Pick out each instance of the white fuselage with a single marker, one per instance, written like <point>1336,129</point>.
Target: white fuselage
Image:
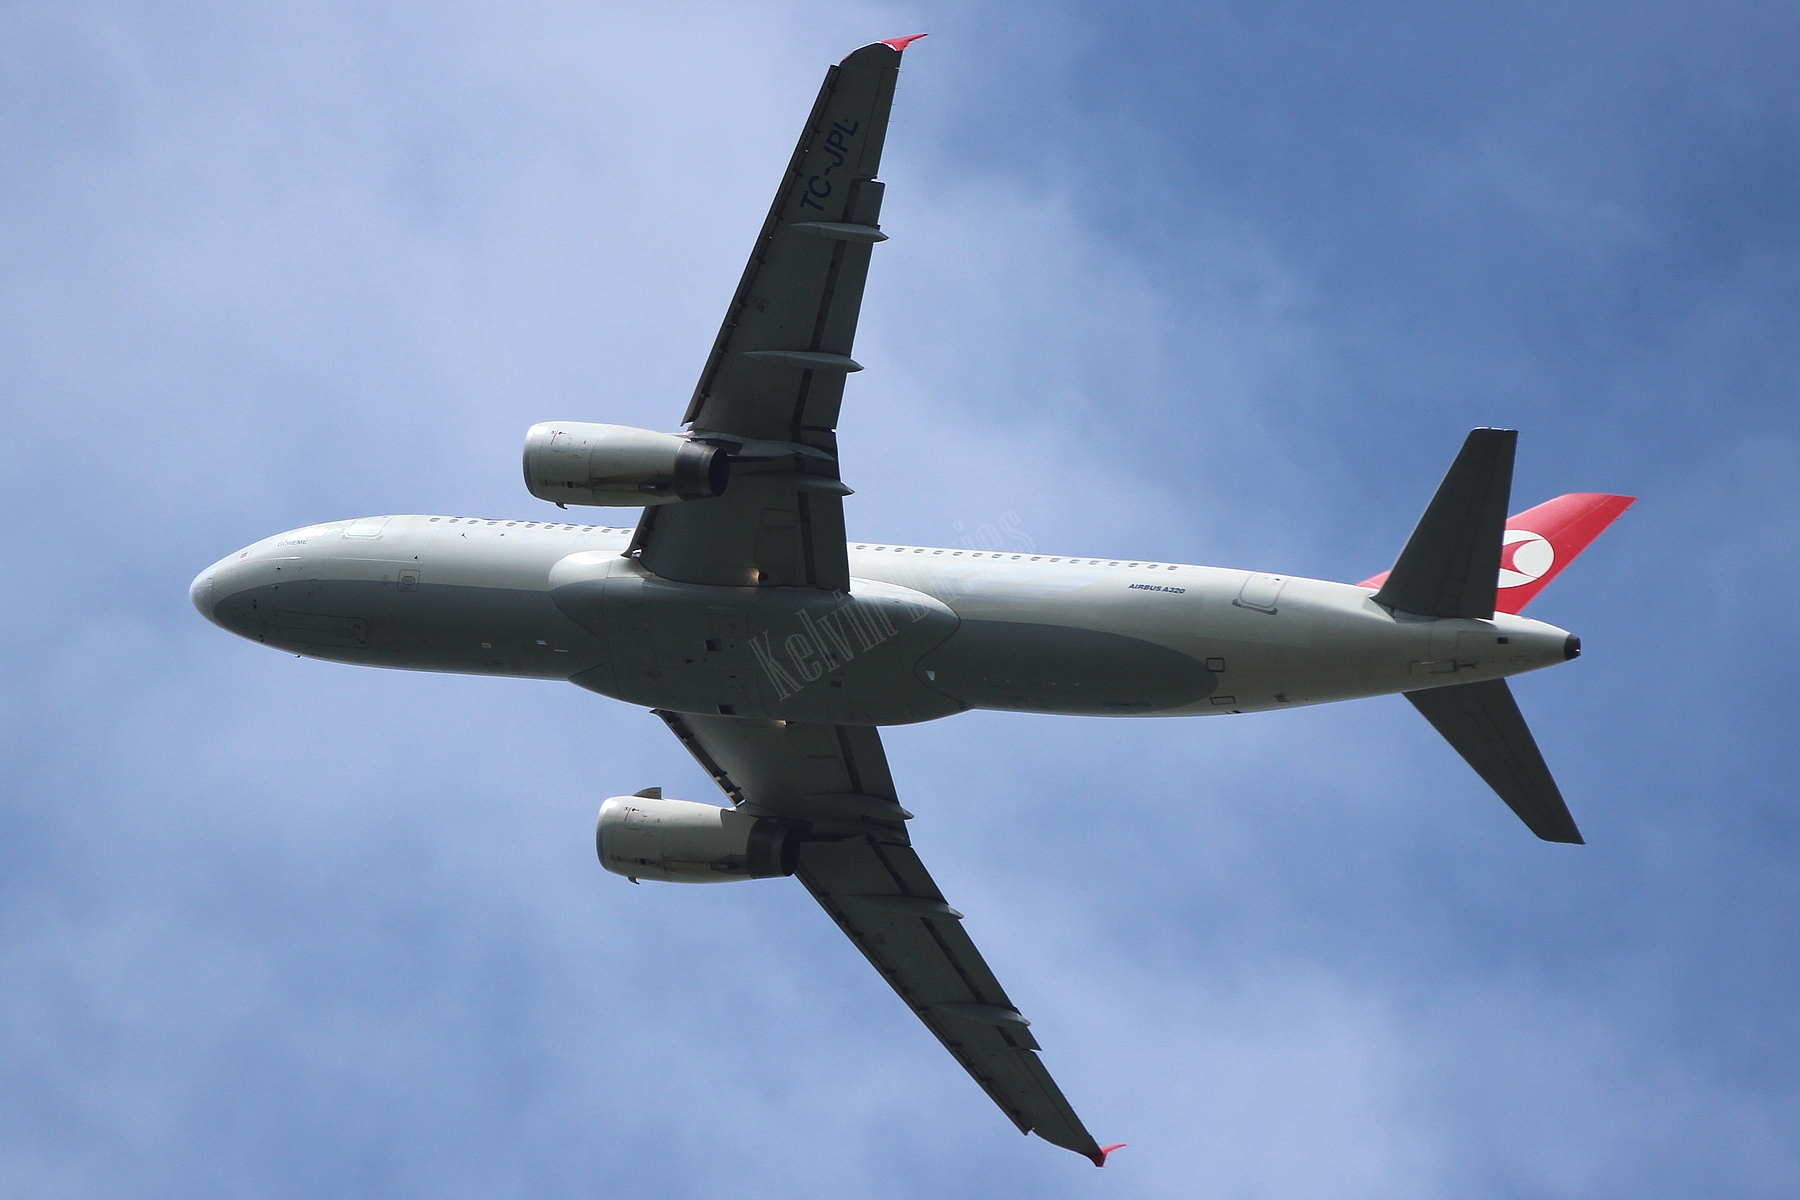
<point>925,632</point>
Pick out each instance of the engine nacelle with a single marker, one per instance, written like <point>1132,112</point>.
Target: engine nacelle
<point>571,462</point>
<point>678,841</point>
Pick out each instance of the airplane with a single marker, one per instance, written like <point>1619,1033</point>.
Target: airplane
<point>774,649</point>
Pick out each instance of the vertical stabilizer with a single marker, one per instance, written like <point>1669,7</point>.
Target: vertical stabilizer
<point>1541,541</point>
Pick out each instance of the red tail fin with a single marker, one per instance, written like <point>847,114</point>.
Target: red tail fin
<point>1541,541</point>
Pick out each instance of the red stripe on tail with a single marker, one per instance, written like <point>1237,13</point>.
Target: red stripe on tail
<point>1541,541</point>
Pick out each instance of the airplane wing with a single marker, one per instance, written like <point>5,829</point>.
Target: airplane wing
<point>861,868</point>
<point>773,383</point>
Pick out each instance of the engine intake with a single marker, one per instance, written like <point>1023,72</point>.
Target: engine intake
<point>678,841</point>
<point>571,462</point>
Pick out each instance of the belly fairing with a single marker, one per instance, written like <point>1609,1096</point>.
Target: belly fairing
<point>774,653</point>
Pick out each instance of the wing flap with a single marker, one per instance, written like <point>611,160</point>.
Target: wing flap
<point>774,527</point>
<point>833,775</point>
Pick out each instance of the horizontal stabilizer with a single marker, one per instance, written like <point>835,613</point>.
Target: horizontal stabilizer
<point>1451,560</point>
<point>1483,723</point>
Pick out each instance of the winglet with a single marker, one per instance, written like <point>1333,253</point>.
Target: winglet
<point>901,43</point>
<point>1099,1156</point>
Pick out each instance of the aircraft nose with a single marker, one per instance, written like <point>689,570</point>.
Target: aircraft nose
<point>200,592</point>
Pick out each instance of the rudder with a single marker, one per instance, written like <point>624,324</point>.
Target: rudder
<point>1541,541</point>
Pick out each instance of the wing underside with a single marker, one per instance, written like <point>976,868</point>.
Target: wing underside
<point>770,394</point>
<point>861,868</point>
<point>774,381</point>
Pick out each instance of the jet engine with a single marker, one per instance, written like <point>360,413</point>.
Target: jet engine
<point>576,463</point>
<point>678,841</point>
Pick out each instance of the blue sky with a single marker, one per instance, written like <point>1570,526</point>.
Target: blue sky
<point>1211,283</point>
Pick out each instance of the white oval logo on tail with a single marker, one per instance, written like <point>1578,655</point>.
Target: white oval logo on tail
<point>1524,557</point>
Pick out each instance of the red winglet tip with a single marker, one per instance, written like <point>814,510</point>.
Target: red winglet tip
<point>900,44</point>
<point>1099,1156</point>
